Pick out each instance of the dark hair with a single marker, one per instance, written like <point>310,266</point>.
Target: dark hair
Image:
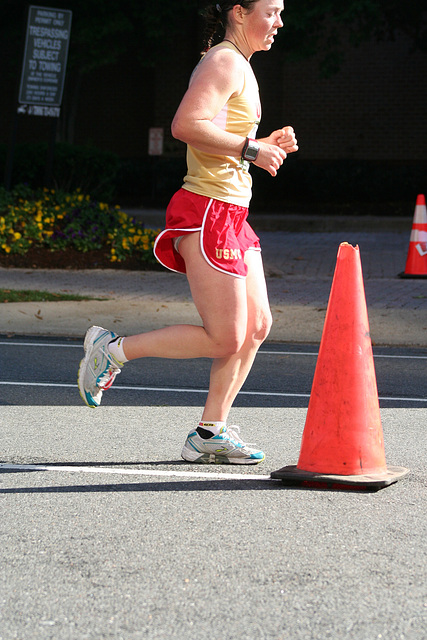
<point>216,18</point>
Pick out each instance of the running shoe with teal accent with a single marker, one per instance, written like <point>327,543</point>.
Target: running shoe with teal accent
<point>225,448</point>
<point>98,368</point>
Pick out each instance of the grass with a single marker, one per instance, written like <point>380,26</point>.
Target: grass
<point>26,295</point>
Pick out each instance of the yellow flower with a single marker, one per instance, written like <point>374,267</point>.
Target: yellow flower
<point>17,235</point>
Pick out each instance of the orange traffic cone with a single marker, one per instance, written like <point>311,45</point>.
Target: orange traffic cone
<point>342,444</point>
<point>416,262</point>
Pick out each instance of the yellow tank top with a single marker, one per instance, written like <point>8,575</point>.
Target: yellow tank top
<point>227,178</point>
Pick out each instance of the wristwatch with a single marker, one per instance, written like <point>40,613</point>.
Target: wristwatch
<point>250,150</point>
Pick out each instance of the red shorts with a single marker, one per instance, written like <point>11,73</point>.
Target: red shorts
<point>225,234</point>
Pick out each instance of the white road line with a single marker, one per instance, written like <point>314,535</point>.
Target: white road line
<point>134,472</point>
<point>40,344</point>
<point>161,389</point>
<point>315,354</point>
<point>260,352</point>
<point>118,387</point>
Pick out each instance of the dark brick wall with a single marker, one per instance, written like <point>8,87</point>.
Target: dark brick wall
<point>374,108</point>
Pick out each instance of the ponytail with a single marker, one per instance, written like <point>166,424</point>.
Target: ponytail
<point>214,25</point>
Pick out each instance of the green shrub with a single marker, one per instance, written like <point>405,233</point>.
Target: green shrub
<point>74,167</point>
<point>56,220</point>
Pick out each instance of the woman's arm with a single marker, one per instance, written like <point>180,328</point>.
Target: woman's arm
<point>216,79</point>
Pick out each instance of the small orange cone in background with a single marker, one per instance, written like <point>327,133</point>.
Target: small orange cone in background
<point>416,262</point>
<point>342,444</point>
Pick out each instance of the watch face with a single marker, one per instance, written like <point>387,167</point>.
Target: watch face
<point>251,151</point>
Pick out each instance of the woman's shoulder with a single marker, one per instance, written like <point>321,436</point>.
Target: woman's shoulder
<point>224,56</point>
<point>220,60</point>
<point>225,50</point>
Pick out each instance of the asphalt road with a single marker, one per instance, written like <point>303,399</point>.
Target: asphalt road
<point>42,371</point>
<point>106,533</point>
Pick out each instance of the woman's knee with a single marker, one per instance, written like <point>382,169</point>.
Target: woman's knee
<point>261,326</point>
<point>228,341</point>
<point>231,341</point>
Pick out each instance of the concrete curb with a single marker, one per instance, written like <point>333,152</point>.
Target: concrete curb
<point>299,268</point>
<point>292,323</point>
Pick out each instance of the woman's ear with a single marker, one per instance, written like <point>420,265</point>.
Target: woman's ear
<point>238,13</point>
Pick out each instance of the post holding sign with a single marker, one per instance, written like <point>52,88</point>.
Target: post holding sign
<point>155,141</point>
<point>45,61</point>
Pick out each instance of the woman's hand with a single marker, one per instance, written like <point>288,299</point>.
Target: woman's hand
<point>270,157</point>
<point>287,141</point>
<point>274,149</point>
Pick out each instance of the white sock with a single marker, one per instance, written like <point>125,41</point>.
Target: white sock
<point>213,427</point>
<point>115,347</point>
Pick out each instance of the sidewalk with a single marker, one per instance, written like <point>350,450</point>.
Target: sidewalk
<point>299,268</point>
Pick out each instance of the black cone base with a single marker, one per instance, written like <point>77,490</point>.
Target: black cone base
<point>292,476</point>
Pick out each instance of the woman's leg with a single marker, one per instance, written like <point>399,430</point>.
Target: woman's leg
<point>221,301</point>
<point>229,373</point>
<point>236,320</point>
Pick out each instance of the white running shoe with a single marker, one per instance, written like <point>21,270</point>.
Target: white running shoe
<point>225,448</point>
<point>98,368</point>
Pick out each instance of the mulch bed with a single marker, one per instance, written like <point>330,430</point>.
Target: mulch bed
<point>37,258</point>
